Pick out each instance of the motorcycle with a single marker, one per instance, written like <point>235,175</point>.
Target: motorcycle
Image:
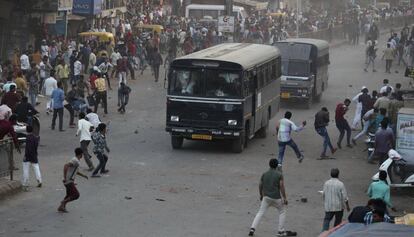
<point>20,129</point>
<point>400,171</point>
<point>370,143</point>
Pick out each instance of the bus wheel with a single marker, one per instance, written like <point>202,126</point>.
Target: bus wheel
<point>177,142</point>
<point>237,145</point>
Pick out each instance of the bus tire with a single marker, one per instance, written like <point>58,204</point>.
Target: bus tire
<point>177,142</point>
<point>237,145</point>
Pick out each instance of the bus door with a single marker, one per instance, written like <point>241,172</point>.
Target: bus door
<point>257,103</point>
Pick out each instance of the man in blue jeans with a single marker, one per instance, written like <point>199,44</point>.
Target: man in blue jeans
<point>321,122</point>
<point>58,96</point>
<point>284,129</point>
<point>342,124</point>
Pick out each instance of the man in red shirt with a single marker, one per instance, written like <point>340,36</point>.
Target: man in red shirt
<point>6,128</point>
<point>342,124</point>
<point>11,98</point>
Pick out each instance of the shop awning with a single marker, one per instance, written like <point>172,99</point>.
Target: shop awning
<point>72,17</point>
<point>255,4</point>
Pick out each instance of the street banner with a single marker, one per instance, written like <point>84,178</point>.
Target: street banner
<point>226,24</point>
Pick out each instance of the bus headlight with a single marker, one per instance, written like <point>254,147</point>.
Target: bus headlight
<point>175,118</point>
<point>232,122</point>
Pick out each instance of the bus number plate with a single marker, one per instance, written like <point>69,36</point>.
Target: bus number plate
<point>201,137</point>
<point>285,95</point>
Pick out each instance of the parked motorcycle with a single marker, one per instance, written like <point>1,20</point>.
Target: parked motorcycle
<point>400,171</point>
<point>20,129</point>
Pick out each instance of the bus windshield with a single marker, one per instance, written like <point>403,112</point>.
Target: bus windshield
<point>295,68</point>
<point>205,83</point>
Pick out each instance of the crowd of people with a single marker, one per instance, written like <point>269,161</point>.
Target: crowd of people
<point>76,75</point>
<point>375,113</point>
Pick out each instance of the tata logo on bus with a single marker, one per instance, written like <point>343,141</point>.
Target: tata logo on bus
<point>226,24</point>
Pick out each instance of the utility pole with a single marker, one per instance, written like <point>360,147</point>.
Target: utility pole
<point>297,18</point>
<point>228,4</point>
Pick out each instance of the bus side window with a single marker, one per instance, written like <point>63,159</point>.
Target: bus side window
<point>274,71</point>
<point>278,67</point>
<point>260,77</point>
<point>246,84</point>
<point>252,82</point>
<point>269,73</point>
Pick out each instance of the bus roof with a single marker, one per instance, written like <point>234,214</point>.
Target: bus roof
<point>245,54</point>
<point>320,44</point>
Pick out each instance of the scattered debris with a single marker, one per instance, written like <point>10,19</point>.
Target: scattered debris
<point>304,200</point>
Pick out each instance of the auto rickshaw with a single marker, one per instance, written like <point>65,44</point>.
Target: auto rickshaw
<point>149,28</point>
<point>103,37</point>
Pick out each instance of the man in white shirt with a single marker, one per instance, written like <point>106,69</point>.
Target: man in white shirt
<point>284,129</point>
<point>84,131</point>
<point>335,199</point>
<point>92,61</point>
<point>77,70</point>
<point>49,86</point>
<point>127,26</point>
<point>358,110</point>
<point>44,71</point>
<point>24,63</point>
<point>115,56</point>
<point>386,87</point>
<point>93,118</point>
<point>44,48</point>
<point>9,82</point>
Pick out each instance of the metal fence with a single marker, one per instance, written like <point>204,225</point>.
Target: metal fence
<point>6,158</point>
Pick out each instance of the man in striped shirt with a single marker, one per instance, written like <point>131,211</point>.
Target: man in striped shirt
<point>335,199</point>
<point>284,129</point>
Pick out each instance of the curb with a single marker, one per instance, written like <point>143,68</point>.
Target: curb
<point>9,187</point>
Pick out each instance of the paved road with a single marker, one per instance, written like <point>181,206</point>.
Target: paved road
<point>202,190</point>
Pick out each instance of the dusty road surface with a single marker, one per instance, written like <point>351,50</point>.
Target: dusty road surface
<point>202,190</point>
